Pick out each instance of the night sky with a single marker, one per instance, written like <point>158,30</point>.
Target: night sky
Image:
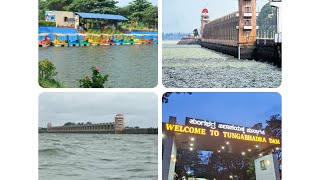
<point>243,109</point>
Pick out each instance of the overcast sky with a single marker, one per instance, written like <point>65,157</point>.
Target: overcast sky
<point>139,109</point>
<point>184,15</point>
<point>122,3</point>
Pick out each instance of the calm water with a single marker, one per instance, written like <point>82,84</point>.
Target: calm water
<point>190,66</point>
<point>94,157</point>
<point>128,66</point>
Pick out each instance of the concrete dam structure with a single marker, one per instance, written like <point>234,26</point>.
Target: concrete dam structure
<point>188,41</point>
<point>116,127</point>
<point>236,34</point>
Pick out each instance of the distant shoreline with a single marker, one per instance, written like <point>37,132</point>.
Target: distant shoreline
<point>125,131</point>
<point>170,41</point>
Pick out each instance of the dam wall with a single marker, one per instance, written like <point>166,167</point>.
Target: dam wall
<point>141,131</point>
<point>269,52</point>
<point>116,127</point>
<point>103,128</point>
<point>188,41</point>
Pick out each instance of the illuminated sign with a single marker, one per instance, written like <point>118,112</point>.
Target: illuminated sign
<point>216,125</point>
<point>205,123</point>
<point>185,129</point>
<point>244,137</point>
<point>217,133</point>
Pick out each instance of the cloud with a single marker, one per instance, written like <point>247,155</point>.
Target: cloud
<point>139,109</point>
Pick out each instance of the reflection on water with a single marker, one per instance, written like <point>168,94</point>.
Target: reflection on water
<point>97,156</point>
<point>128,66</point>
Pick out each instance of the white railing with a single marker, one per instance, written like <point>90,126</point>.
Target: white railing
<point>266,34</point>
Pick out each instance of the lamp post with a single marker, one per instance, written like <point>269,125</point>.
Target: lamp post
<point>155,21</point>
<point>239,42</point>
<point>188,172</point>
<point>239,48</point>
<point>231,177</point>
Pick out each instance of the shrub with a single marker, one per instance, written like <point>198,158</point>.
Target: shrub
<point>47,70</point>
<point>50,83</point>
<point>46,23</point>
<point>96,81</point>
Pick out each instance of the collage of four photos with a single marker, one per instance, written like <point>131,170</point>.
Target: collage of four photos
<point>189,134</point>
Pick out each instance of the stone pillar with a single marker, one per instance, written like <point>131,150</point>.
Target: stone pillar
<point>49,127</point>
<point>119,123</point>
<point>266,167</point>
<point>169,155</point>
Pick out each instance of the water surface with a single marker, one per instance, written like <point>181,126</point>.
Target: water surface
<point>190,66</point>
<point>128,66</point>
<point>97,156</point>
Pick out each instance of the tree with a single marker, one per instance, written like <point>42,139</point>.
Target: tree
<point>204,169</point>
<point>139,5</point>
<point>257,126</point>
<point>124,11</point>
<point>42,8</point>
<point>274,126</point>
<point>46,73</point>
<point>69,124</point>
<point>89,6</point>
<point>274,129</point>
<point>187,160</point>
<point>57,5</point>
<point>142,12</point>
<point>267,19</point>
<point>137,8</point>
<point>165,96</point>
<point>46,69</point>
<point>222,165</point>
<point>150,16</point>
<point>93,6</point>
<point>195,33</point>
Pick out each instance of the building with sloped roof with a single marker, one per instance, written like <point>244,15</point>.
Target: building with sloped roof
<point>84,20</point>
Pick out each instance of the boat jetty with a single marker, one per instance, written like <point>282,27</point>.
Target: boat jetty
<point>85,29</point>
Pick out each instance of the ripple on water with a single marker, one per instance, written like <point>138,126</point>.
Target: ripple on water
<point>132,66</point>
<point>187,66</point>
<point>97,159</point>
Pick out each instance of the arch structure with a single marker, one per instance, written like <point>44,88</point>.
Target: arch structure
<point>198,134</point>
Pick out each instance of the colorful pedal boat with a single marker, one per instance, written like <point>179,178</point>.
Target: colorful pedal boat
<point>107,39</point>
<point>58,42</point>
<point>45,42</point>
<point>83,40</point>
<point>155,40</point>
<point>94,40</point>
<point>118,39</point>
<point>128,39</point>
<point>142,40</point>
<point>72,40</point>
